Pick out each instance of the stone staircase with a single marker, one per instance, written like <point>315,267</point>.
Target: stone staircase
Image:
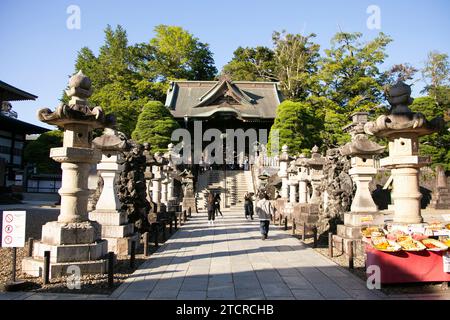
<point>237,184</point>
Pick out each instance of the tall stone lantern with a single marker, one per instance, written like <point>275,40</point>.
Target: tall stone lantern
<point>292,182</point>
<point>282,173</point>
<point>315,165</point>
<point>114,221</point>
<point>149,161</point>
<point>302,178</point>
<point>402,128</point>
<point>363,210</point>
<point>73,239</point>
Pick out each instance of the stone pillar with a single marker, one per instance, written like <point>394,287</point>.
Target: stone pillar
<point>282,173</point>
<point>302,190</point>
<point>164,183</point>
<point>115,228</point>
<point>315,164</point>
<point>292,191</point>
<point>149,161</point>
<point>362,172</point>
<point>302,178</point>
<point>188,189</point>
<point>402,128</point>
<point>156,186</point>
<point>440,198</point>
<point>73,239</point>
<point>405,171</point>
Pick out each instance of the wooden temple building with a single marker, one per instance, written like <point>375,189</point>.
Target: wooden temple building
<point>12,136</point>
<point>224,104</point>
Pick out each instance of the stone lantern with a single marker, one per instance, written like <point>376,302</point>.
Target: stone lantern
<point>315,165</point>
<point>187,180</point>
<point>149,161</point>
<point>282,173</point>
<point>402,128</point>
<point>364,211</point>
<point>302,178</point>
<point>114,221</point>
<point>158,177</point>
<point>292,182</point>
<point>73,239</point>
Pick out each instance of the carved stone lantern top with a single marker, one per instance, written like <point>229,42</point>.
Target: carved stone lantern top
<point>316,161</point>
<point>401,120</point>
<point>360,145</point>
<point>109,141</point>
<point>77,111</point>
<point>284,154</point>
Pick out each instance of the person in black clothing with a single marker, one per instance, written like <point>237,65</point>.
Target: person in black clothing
<point>211,209</point>
<point>217,204</point>
<point>248,205</point>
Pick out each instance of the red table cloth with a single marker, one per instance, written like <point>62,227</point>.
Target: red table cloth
<point>408,266</point>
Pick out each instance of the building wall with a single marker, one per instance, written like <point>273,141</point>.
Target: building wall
<point>11,151</point>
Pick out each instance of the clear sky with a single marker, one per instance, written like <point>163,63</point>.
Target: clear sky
<point>38,51</point>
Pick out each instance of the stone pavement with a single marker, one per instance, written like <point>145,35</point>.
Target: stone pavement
<point>230,261</point>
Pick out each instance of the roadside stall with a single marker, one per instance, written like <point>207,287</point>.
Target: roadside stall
<point>409,253</point>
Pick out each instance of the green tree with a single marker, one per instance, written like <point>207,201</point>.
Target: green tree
<point>125,77</point>
<point>155,125</point>
<point>350,81</point>
<point>252,64</point>
<point>292,62</point>
<point>177,54</point>
<point>296,59</point>
<point>437,144</point>
<point>38,152</point>
<point>298,126</point>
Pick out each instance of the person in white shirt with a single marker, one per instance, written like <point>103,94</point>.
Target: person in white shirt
<point>264,211</point>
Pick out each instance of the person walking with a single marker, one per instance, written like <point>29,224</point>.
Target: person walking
<point>217,204</point>
<point>248,205</point>
<point>211,209</point>
<point>264,210</point>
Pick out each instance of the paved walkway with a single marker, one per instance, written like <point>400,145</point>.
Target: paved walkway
<point>230,261</point>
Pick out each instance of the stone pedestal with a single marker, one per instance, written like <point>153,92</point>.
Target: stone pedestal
<point>115,228</point>
<point>188,192</point>
<point>440,199</point>
<point>364,211</point>
<point>306,213</point>
<point>73,240</point>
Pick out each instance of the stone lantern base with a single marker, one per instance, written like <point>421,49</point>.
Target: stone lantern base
<point>189,202</point>
<point>116,230</point>
<point>70,244</point>
<point>305,213</point>
<point>351,229</point>
<point>440,199</point>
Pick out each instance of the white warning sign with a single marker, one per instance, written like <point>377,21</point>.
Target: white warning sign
<point>13,229</point>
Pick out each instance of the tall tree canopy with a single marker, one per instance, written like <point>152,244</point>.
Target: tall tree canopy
<point>350,81</point>
<point>437,103</point>
<point>292,62</point>
<point>125,77</point>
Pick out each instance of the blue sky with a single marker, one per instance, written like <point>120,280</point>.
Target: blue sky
<point>38,50</point>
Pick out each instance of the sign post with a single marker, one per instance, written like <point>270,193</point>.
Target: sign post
<point>13,236</point>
